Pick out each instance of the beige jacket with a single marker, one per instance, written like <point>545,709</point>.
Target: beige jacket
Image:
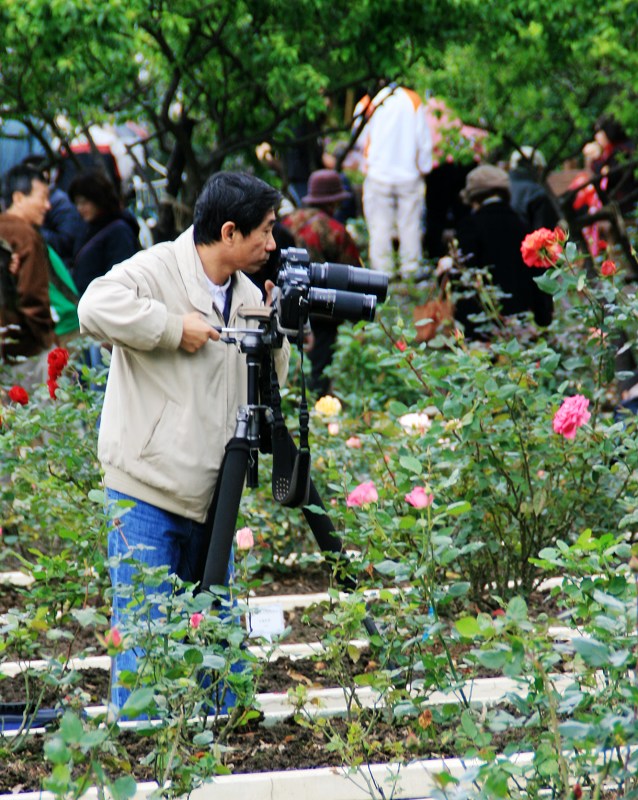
<point>167,413</point>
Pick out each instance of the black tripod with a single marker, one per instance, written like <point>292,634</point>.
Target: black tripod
<point>292,484</point>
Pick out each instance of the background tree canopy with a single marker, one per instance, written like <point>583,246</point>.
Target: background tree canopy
<point>212,80</point>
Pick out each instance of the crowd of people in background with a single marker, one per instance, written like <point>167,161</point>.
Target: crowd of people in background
<point>399,173</point>
<point>174,390</point>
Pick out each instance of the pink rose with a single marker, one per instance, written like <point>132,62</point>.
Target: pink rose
<point>401,345</point>
<point>196,620</point>
<point>361,495</point>
<point>113,638</point>
<point>245,539</point>
<point>333,428</point>
<point>419,498</point>
<point>571,415</point>
<point>354,442</point>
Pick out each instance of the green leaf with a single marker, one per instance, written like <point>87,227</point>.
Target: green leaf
<point>491,659</point>
<point>593,653</point>
<point>455,509</point>
<point>97,496</point>
<point>123,788</point>
<point>203,739</point>
<point>548,767</point>
<point>193,656</point>
<point>139,701</point>
<point>92,739</point>
<point>412,464</point>
<point>575,731</point>
<point>608,601</point>
<point>459,589</point>
<point>468,724</point>
<point>314,509</point>
<point>468,627</point>
<point>571,251</point>
<point>547,282</point>
<point>56,751</point>
<point>517,609</point>
<point>71,728</point>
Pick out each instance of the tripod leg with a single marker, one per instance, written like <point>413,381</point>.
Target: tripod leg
<point>222,515</point>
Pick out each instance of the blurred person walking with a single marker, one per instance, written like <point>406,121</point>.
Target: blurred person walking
<point>397,149</point>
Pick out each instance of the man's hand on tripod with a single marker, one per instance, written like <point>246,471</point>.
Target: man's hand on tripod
<point>196,332</point>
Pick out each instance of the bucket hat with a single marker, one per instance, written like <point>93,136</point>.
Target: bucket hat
<point>484,179</point>
<point>324,186</point>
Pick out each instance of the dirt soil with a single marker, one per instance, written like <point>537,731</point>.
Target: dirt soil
<point>285,745</point>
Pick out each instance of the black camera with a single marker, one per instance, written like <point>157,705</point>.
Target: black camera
<point>335,291</point>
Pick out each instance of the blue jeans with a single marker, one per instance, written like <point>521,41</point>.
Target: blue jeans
<point>174,541</point>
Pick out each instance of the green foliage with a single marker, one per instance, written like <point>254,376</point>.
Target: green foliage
<point>211,84</point>
<point>539,74</point>
<point>504,502</point>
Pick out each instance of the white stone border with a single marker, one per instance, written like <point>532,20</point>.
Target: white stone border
<point>402,782</point>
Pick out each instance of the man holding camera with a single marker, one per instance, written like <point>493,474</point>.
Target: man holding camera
<point>174,388</point>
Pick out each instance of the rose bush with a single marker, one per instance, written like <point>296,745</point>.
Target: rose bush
<point>460,475</point>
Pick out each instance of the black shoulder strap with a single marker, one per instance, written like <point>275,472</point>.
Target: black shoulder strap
<point>290,478</point>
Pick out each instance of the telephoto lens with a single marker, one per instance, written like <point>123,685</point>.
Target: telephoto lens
<point>349,279</point>
<point>339,304</point>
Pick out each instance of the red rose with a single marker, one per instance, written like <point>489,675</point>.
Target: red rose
<point>542,248</point>
<point>608,268</point>
<point>53,387</point>
<point>57,359</point>
<point>401,345</point>
<point>18,395</point>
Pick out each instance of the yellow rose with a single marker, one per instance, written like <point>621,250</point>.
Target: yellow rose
<point>328,406</point>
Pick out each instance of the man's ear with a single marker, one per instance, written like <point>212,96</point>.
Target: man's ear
<point>229,232</point>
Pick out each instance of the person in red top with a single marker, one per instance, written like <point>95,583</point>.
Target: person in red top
<point>317,231</point>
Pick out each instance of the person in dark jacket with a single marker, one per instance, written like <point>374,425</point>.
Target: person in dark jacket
<point>528,197</point>
<point>491,236</point>
<point>63,228</point>
<point>112,232</point>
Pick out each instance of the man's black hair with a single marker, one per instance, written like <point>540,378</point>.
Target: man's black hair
<point>232,197</point>
<point>20,179</point>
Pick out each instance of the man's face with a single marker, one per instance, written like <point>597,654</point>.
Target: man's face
<point>251,252</point>
<point>32,208</point>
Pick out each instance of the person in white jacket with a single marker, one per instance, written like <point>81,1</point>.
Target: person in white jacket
<point>397,154</point>
<point>173,388</point>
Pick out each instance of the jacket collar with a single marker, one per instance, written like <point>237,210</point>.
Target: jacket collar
<point>192,271</point>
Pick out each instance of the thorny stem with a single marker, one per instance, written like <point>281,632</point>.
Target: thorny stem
<point>408,360</point>
<point>171,756</point>
<point>553,716</point>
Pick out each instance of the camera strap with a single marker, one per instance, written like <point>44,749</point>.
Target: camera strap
<point>290,470</point>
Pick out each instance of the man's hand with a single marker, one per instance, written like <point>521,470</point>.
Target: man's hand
<point>196,332</point>
<point>268,286</point>
<point>14,264</point>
